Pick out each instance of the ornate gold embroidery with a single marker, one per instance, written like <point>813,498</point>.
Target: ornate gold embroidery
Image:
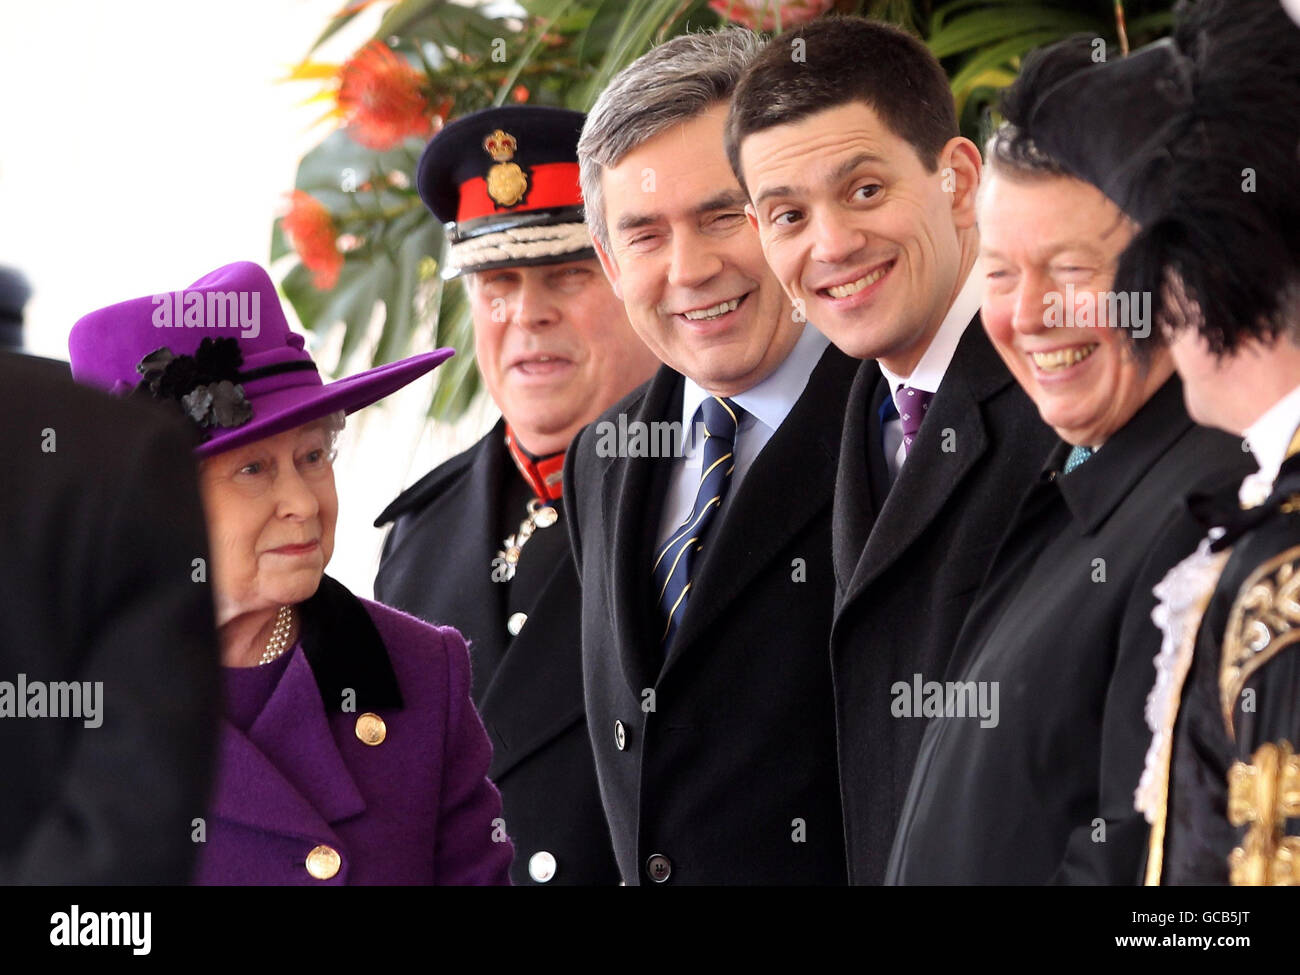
<point>1264,795</point>
<point>1264,620</point>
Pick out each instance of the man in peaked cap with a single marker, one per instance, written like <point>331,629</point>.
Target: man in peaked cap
<point>1197,138</point>
<point>479,543</point>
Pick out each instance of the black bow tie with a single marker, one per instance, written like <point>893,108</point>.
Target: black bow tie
<point>1223,509</point>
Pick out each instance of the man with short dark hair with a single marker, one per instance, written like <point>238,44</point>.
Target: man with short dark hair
<point>706,574</point>
<point>863,193</point>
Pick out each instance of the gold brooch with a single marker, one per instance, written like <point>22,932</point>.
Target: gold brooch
<point>506,182</point>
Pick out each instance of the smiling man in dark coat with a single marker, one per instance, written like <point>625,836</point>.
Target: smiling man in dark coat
<point>1061,640</point>
<point>1195,138</point>
<point>706,572</point>
<point>845,136</point>
<point>479,543</point>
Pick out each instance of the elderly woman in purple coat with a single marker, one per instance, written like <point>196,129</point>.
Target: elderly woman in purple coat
<point>350,752</point>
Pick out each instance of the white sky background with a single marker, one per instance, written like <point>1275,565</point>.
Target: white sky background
<point>144,143</point>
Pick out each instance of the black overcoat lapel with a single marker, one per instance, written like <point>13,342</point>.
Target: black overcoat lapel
<point>644,482</point>
<point>950,443</point>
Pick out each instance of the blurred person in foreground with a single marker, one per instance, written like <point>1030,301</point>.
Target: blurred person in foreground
<point>554,348</point>
<point>1197,137</point>
<point>350,752</point>
<point>105,637</point>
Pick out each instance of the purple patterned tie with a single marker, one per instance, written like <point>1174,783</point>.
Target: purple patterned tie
<point>912,405</point>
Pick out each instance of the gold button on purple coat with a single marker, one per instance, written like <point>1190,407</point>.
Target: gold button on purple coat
<point>371,729</point>
<point>324,862</point>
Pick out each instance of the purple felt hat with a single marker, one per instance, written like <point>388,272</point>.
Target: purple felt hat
<point>222,351</point>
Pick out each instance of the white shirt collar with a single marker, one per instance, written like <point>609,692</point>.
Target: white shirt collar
<point>934,362</point>
<point>1268,438</point>
<point>769,402</point>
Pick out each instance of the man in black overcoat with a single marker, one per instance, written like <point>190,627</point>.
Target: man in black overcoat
<point>705,560</point>
<point>845,136</point>
<point>479,543</point>
<point>1036,785</point>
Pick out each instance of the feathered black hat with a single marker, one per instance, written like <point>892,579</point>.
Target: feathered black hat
<point>1197,138</point>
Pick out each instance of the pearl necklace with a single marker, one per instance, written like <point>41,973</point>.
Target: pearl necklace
<point>279,641</point>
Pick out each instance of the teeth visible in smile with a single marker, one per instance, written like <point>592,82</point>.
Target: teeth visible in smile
<point>1062,358</point>
<point>853,287</point>
<point>704,314</point>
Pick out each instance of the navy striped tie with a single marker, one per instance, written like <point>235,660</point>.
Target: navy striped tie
<point>672,568</point>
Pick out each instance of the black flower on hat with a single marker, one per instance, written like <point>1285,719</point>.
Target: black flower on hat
<point>204,386</point>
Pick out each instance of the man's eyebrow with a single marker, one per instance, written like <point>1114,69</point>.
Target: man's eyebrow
<point>840,171</point>
<point>632,221</point>
<point>778,191</point>
<point>846,167</point>
<point>1084,246</point>
<point>726,200</point>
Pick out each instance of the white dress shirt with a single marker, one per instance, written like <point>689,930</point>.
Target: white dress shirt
<point>766,405</point>
<point>1268,438</point>
<point>932,365</point>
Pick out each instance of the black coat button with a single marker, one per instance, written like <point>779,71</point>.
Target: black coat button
<point>659,868</point>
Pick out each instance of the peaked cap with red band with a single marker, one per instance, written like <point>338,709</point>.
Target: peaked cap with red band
<point>505,182</point>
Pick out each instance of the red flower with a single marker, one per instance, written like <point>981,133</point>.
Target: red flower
<point>520,94</point>
<point>763,14</point>
<point>380,98</point>
<point>311,230</point>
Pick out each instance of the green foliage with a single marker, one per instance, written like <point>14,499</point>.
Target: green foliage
<point>564,52</point>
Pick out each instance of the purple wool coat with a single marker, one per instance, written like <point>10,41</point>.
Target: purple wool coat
<point>417,808</point>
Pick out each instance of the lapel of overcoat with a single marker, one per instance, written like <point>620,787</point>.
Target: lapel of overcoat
<point>632,492</point>
<point>950,443</point>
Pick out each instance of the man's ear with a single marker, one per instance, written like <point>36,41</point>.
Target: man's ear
<point>960,166</point>
<point>609,267</point>
<point>752,215</point>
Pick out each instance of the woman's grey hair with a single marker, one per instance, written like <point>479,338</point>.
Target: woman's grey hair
<point>670,84</point>
<point>333,424</point>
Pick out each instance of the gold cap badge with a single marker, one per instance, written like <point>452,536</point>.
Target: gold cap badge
<point>506,182</point>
